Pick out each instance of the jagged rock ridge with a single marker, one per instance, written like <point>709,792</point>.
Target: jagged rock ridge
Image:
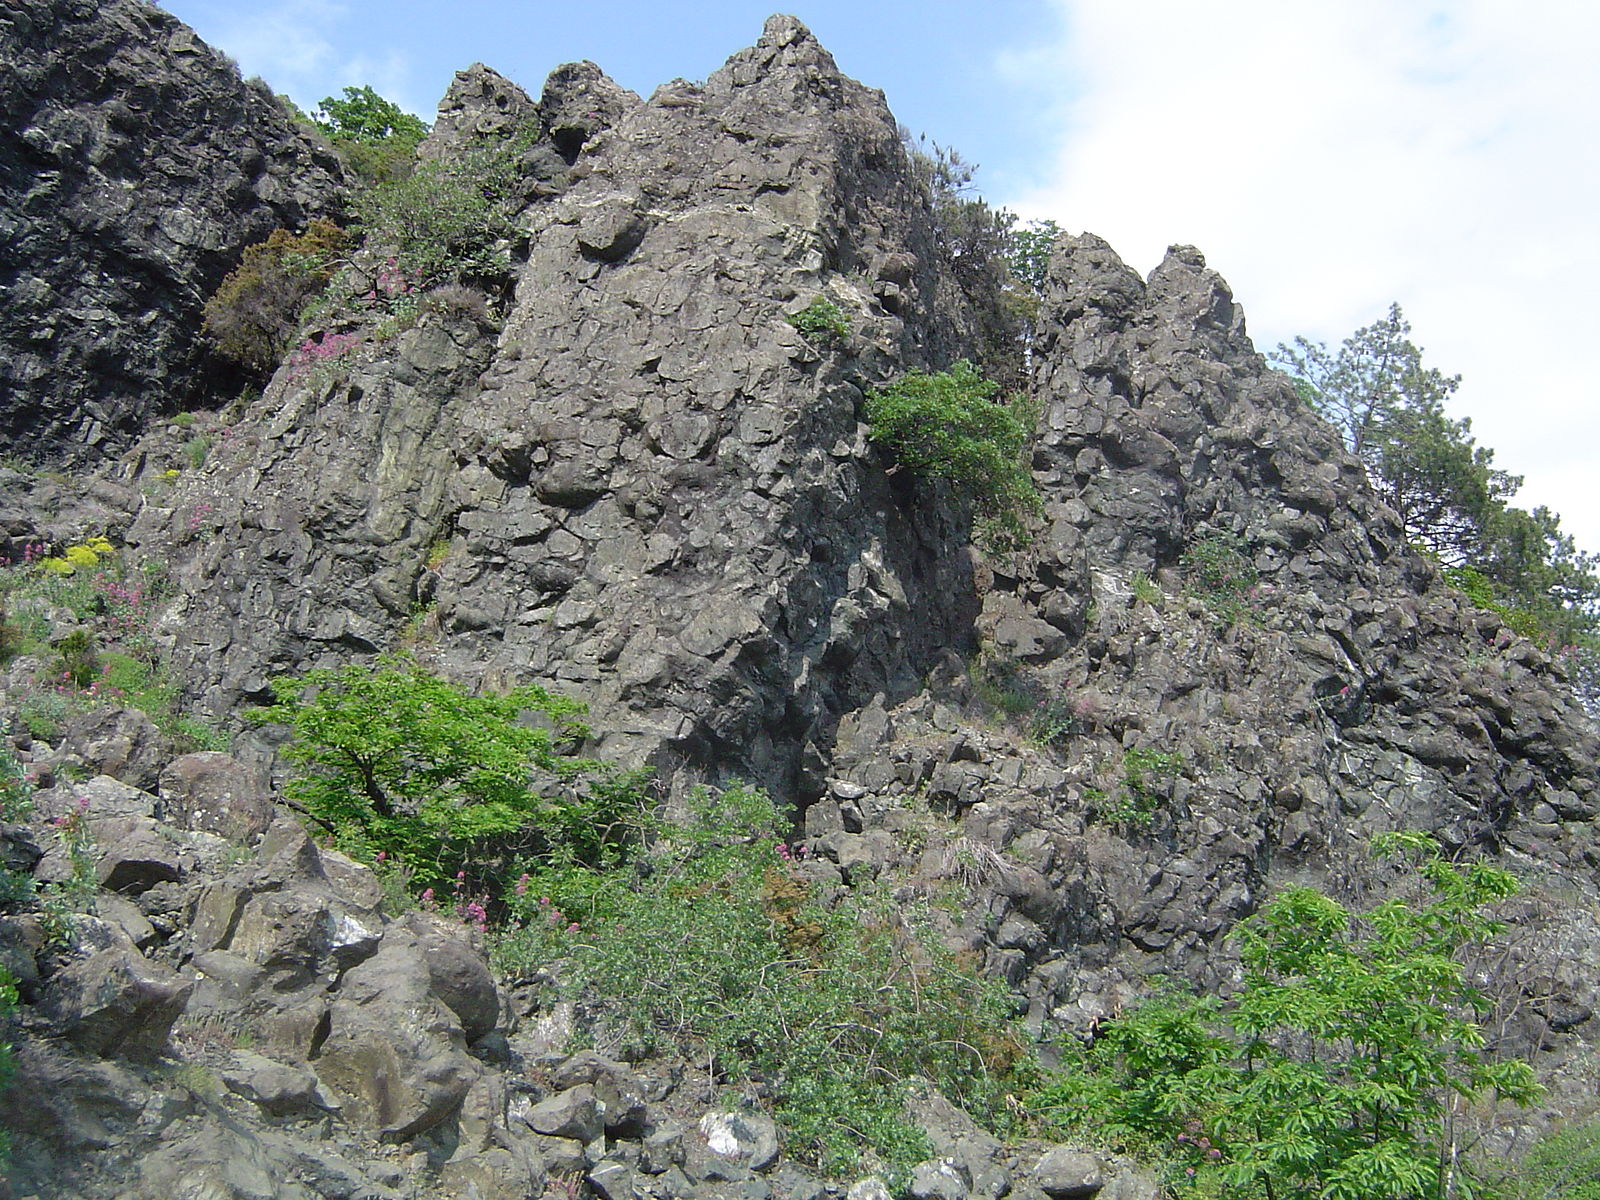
<point>655,492</point>
<point>645,487</point>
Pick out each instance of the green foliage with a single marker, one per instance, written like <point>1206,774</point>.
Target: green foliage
<point>1219,571</point>
<point>1029,253</point>
<point>196,449</point>
<point>8,1004</point>
<point>976,240</point>
<point>1331,1072</point>
<point>821,322</point>
<point>254,315</point>
<point>1564,1165</point>
<point>716,947</point>
<point>443,220</point>
<point>1145,778</point>
<point>948,426</point>
<point>80,661</point>
<point>1144,589</point>
<point>393,760</point>
<point>1450,498</point>
<point>374,136</point>
<point>16,796</point>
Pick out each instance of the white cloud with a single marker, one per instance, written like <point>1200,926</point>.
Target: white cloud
<point>1330,158</point>
<point>297,46</point>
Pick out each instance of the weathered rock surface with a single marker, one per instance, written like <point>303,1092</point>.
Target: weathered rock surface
<point>135,166</point>
<point>644,487</point>
<point>672,511</point>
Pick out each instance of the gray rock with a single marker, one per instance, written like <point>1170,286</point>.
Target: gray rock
<point>618,1088</point>
<point>574,1114</point>
<point>870,1188</point>
<point>215,793</point>
<point>117,1003</point>
<point>128,192</point>
<point>277,1088</point>
<point>121,743</point>
<point>940,1179</point>
<point>749,1138</point>
<point>394,1053</point>
<point>1064,1173</point>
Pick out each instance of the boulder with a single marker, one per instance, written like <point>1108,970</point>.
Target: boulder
<point>117,1003</point>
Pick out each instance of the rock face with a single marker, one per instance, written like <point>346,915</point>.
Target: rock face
<point>135,166</point>
<point>629,477</point>
<point>649,489</point>
<point>1197,748</point>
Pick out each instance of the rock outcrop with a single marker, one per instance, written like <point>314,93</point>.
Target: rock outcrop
<point>135,166</point>
<point>620,471</point>
<point>649,488</point>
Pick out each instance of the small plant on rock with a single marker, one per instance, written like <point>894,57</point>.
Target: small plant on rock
<point>1219,571</point>
<point>821,322</point>
<point>948,426</point>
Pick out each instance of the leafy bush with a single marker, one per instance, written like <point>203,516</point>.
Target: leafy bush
<point>948,426</point>
<point>1143,774</point>
<point>393,760</point>
<point>375,137</point>
<point>442,221</point>
<point>1564,1165</point>
<point>716,947</point>
<point>254,315</point>
<point>821,321</point>
<point>1330,1073</point>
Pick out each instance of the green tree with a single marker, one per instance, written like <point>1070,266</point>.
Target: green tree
<point>375,136</point>
<point>443,219</point>
<point>1451,499</point>
<point>1389,408</point>
<point>1029,253</point>
<point>1333,1071</point>
<point>393,759</point>
<point>948,426</point>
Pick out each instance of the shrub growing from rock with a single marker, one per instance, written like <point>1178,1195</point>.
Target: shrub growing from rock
<point>716,947</point>
<point>253,317</point>
<point>1330,1074</point>
<point>948,426</point>
<point>398,765</point>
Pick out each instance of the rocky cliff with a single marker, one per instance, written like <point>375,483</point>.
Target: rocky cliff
<point>623,473</point>
<point>135,167</point>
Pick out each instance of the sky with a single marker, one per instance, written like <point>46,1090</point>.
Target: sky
<point>1328,158</point>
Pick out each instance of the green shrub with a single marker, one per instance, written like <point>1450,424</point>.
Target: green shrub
<point>254,315</point>
<point>1564,1165</point>
<point>1330,1073</point>
<point>375,137</point>
<point>196,449</point>
<point>394,761</point>
<point>1219,571</point>
<point>821,322</point>
<point>948,426</point>
<point>443,220</point>
<point>716,947</point>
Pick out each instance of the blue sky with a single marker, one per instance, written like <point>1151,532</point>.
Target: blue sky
<point>936,60</point>
<point>1328,158</point>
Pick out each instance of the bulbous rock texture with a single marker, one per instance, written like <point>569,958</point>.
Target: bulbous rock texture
<point>654,492</point>
<point>135,166</point>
